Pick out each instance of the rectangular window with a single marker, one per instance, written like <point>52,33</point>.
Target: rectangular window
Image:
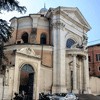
<point>97,57</point>
<point>89,58</point>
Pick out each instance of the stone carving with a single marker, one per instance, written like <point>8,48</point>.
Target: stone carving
<point>83,45</point>
<point>28,51</point>
<point>77,45</point>
<point>85,39</point>
<point>58,25</point>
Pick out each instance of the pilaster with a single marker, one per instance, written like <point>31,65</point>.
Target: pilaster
<point>86,76</point>
<point>75,90</point>
<point>59,58</point>
<point>80,75</point>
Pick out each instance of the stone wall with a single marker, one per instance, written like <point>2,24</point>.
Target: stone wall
<point>93,63</point>
<point>45,83</point>
<point>95,85</point>
<point>1,86</point>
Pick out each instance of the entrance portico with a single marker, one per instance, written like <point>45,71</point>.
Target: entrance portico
<point>78,67</point>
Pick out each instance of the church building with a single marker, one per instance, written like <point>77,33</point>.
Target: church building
<point>47,53</point>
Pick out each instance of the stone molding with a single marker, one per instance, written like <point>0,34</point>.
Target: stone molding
<point>28,51</point>
<point>58,25</point>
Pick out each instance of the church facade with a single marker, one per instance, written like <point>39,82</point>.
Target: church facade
<point>47,53</point>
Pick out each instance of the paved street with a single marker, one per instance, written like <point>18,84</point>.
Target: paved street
<point>88,97</point>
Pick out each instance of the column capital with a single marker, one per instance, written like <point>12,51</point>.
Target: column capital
<point>74,55</point>
<point>84,57</point>
<point>58,25</point>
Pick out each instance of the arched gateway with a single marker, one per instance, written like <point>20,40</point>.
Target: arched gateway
<point>27,81</point>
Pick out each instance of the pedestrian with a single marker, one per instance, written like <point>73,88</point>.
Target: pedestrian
<point>16,96</point>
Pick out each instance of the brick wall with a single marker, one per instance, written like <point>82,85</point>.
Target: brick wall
<point>93,64</point>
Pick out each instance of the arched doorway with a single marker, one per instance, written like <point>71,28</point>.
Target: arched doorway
<point>27,81</point>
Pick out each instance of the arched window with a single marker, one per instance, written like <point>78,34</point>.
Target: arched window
<point>25,37</point>
<point>28,68</point>
<point>69,43</point>
<point>43,39</point>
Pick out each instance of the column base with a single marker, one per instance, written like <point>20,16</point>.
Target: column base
<point>75,91</point>
<point>88,91</point>
<point>59,89</point>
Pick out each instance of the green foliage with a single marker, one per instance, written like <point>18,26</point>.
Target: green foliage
<point>5,29</point>
<point>11,5</point>
<point>8,5</point>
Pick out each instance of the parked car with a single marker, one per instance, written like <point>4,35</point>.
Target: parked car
<point>69,96</point>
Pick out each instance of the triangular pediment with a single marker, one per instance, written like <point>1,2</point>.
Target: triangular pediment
<point>72,15</point>
<point>28,51</point>
<point>75,14</point>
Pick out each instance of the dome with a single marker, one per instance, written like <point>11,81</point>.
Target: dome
<point>43,10</point>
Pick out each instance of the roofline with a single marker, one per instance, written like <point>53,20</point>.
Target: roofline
<point>24,16</point>
<point>83,17</point>
<point>74,9</point>
<point>98,44</point>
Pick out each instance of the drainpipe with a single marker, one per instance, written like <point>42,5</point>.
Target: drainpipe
<point>49,32</point>
<point>42,55</point>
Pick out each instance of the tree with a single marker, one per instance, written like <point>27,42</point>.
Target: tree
<point>8,5</point>
<point>5,29</point>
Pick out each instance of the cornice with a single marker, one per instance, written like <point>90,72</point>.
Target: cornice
<point>76,52</point>
<point>35,47</point>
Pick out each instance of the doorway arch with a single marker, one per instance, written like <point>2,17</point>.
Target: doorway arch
<point>27,81</point>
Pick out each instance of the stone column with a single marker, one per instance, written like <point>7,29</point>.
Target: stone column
<point>16,76</point>
<point>68,74</point>
<point>86,75</point>
<point>55,57</point>
<point>80,84</point>
<point>1,86</point>
<point>58,58</point>
<point>11,81</point>
<point>74,75</point>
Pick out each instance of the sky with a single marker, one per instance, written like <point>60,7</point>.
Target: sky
<point>89,9</point>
